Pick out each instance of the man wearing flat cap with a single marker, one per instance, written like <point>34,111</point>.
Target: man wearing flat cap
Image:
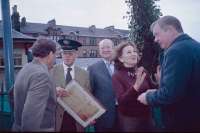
<point>63,73</point>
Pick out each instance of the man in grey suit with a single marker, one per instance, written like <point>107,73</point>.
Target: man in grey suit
<point>63,73</point>
<point>34,91</point>
<point>100,75</point>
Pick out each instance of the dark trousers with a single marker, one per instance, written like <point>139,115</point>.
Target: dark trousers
<point>68,123</point>
<point>114,128</point>
<point>135,124</point>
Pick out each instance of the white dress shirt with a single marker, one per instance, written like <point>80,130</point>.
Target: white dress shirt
<point>65,70</point>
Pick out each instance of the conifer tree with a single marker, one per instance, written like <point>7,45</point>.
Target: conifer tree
<point>141,14</point>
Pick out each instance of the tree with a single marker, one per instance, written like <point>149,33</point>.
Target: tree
<point>141,14</point>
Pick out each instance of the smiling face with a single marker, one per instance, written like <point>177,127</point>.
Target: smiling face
<point>129,56</point>
<point>106,49</point>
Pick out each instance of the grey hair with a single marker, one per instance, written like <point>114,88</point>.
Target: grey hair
<point>165,21</point>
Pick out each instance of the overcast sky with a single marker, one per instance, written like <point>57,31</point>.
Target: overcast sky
<point>104,13</point>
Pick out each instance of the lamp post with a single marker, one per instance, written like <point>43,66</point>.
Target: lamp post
<point>7,45</point>
<point>6,115</point>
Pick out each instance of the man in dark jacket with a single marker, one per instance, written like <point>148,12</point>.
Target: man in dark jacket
<point>100,75</point>
<point>179,91</point>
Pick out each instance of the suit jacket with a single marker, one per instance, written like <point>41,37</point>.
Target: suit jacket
<point>179,90</point>
<point>101,85</point>
<point>34,99</point>
<point>81,76</point>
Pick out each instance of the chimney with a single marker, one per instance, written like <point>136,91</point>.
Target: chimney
<point>92,28</point>
<point>15,18</point>
<point>110,28</point>
<point>23,21</point>
<point>14,9</point>
<point>52,23</point>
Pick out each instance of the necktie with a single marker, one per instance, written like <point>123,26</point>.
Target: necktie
<point>109,69</point>
<point>68,75</point>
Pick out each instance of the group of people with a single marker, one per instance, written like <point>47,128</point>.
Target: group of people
<point>124,89</point>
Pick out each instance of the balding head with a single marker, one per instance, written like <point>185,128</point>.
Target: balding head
<point>106,41</point>
<point>106,48</point>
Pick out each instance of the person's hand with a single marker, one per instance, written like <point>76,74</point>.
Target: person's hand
<point>140,76</point>
<point>93,122</point>
<point>142,98</point>
<point>61,92</point>
<point>85,117</point>
<point>150,90</point>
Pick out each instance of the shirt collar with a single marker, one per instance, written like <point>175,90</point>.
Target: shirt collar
<point>36,61</point>
<point>66,67</point>
<point>108,62</point>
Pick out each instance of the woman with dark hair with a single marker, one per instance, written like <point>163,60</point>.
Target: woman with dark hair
<point>128,82</point>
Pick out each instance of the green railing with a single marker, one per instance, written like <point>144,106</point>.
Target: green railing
<point>6,111</point>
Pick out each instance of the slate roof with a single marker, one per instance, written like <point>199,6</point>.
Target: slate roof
<point>16,34</point>
<point>83,31</point>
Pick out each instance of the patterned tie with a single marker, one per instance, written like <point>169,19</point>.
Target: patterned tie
<point>109,69</point>
<point>68,75</point>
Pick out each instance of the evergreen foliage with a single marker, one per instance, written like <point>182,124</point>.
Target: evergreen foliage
<point>141,14</point>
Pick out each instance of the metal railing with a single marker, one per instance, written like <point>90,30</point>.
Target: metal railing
<point>6,108</point>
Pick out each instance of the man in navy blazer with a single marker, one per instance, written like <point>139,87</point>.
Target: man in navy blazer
<point>100,75</point>
<point>179,91</point>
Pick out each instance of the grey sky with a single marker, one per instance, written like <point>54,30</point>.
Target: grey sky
<point>187,11</point>
<point>101,13</point>
<point>104,13</point>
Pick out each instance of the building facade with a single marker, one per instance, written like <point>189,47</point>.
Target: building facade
<point>21,44</point>
<point>88,36</point>
<point>25,33</point>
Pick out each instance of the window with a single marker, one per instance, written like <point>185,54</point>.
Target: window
<point>84,53</point>
<point>84,41</point>
<point>17,60</point>
<point>92,41</point>
<point>116,42</point>
<point>93,53</point>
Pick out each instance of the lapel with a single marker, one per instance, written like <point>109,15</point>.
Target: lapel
<point>60,73</point>
<point>77,74</point>
<point>163,65</point>
<point>82,78</point>
<point>104,68</point>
